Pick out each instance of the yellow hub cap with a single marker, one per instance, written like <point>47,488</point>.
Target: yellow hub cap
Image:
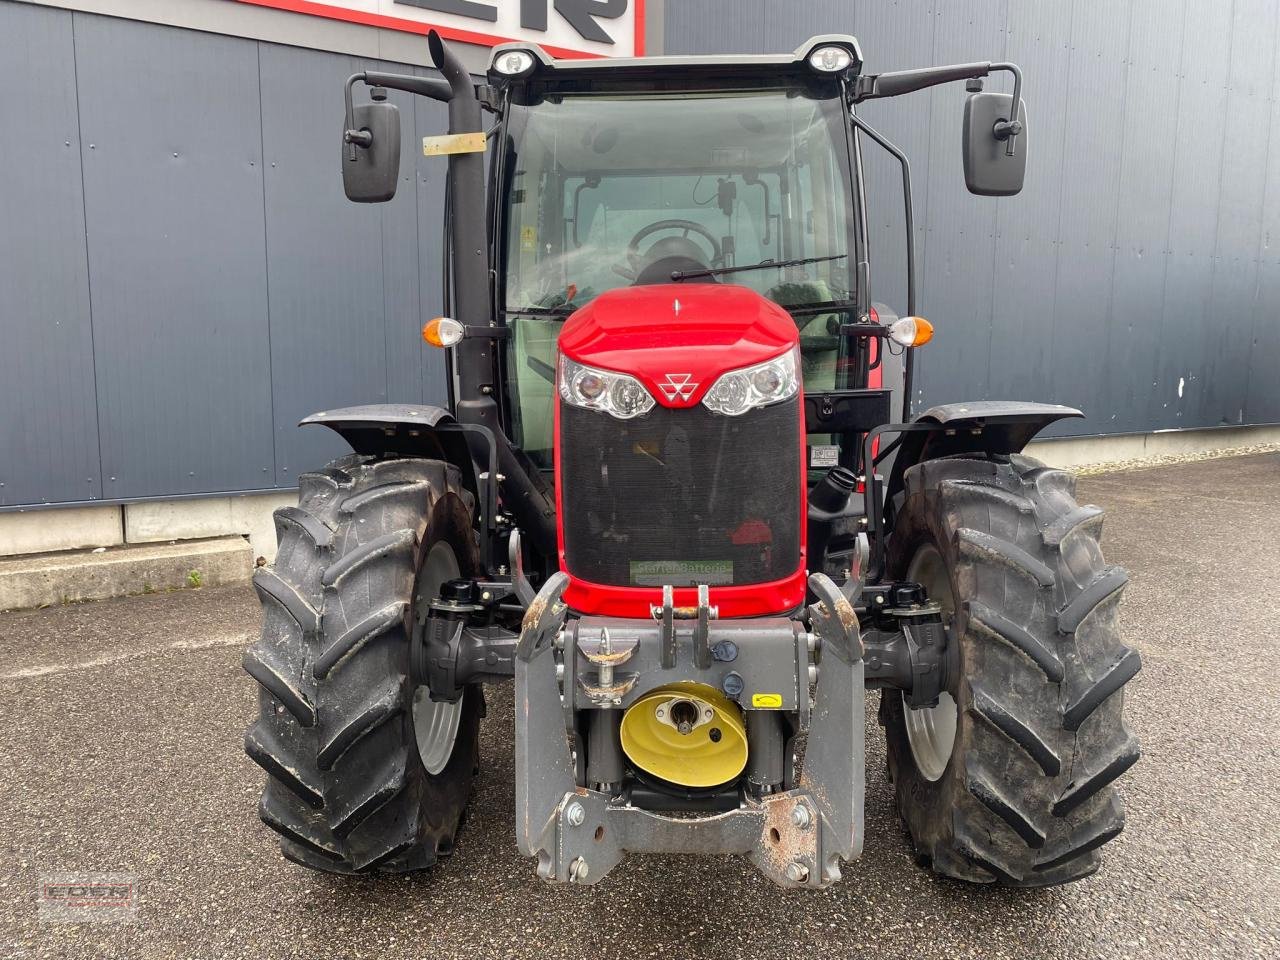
<point>686,733</point>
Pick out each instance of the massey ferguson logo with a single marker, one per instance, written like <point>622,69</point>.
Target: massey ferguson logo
<point>678,385</point>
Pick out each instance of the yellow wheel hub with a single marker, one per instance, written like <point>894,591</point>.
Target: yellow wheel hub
<point>686,733</point>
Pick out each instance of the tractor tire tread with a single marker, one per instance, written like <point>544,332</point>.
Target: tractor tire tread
<point>1029,797</point>
<point>346,789</point>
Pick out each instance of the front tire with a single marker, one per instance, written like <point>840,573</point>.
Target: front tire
<point>1009,779</point>
<point>365,772</point>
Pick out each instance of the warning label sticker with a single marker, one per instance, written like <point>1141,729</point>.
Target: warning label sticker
<point>824,456</point>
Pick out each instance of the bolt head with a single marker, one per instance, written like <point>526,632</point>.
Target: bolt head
<point>575,815</point>
<point>578,871</point>
<point>797,872</point>
<point>800,816</point>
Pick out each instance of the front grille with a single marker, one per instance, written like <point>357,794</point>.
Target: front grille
<point>681,497</point>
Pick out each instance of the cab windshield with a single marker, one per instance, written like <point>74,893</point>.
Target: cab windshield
<point>606,191</point>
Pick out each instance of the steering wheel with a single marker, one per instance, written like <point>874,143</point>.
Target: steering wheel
<point>636,261</point>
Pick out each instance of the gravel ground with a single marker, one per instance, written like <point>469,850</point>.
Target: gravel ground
<point>121,750</point>
<point>1145,463</point>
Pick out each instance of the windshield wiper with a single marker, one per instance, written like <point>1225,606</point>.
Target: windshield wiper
<point>560,312</point>
<point>678,275</point>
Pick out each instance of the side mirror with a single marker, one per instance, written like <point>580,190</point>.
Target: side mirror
<point>371,152</point>
<point>995,163</point>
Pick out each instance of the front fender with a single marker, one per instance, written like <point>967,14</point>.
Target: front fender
<point>405,429</point>
<point>991,427</point>
<point>378,428</point>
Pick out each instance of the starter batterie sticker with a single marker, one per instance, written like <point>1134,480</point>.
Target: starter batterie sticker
<point>766,701</point>
<point>659,573</point>
<point>824,456</point>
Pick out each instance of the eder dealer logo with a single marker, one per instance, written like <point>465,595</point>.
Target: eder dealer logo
<point>88,898</point>
<point>565,28</point>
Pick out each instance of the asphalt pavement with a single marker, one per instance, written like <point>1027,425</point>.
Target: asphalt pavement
<point>121,754</point>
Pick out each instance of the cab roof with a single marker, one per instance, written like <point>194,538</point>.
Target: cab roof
<point>715,69</point>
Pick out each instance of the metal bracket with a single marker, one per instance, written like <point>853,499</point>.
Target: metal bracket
<point>544,763</point>
<point>834,767</point>
<point>607,688</point>
<point>544,618</point>
<point>702,632</point>
<point>515,563</point>
<point>781,834</point>
<point>834,619</point>
<point>666,615</point>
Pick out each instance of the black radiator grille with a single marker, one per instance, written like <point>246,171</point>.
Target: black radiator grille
<point>681,497</point>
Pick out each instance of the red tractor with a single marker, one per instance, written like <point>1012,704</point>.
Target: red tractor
<point>668,499</point>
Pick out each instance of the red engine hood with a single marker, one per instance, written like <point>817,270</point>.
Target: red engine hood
<point>663,334</point>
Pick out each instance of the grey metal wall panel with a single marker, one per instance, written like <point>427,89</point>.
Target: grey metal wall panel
<point>232,287</point>
<point>1264,340</point>
<point>1146,201</point>
<point>1026,244</point>
<point>1138,275</point>
<point>1251,69</point>
<point>173,196</point>
<point>48,416</point>
<point>350,284</point>
<point>957,266</point>
<point>325,257</point>
<point>1093,145</point>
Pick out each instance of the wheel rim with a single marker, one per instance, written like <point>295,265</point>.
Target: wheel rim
<point>435,725</point>
<point>931,731</point>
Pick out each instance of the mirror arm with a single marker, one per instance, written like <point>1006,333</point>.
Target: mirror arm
<point>900,155</point>
<point>1008,130</point>
<point>350,135</point>
<point>432,87</point>
<point>899,82</point>
<point>895,84</point>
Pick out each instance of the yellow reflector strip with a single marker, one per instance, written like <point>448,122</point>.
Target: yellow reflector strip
<point>453,143</point>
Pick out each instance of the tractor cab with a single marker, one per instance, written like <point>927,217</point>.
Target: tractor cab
<point>718,174</point>
<point>652,239</point>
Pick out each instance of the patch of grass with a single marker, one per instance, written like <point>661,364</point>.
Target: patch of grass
<point>194,579</point>
<point>148,588</point>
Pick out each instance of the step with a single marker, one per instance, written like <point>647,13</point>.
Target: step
<point>44,579</point>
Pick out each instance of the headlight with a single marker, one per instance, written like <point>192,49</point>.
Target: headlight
<point>617,394</point>
<point>513,63</point>
<point>738,391</point>
<point>830,59</point>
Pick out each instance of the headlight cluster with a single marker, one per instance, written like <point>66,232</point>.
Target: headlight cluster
<point>617,394</point>
<point>733,394</point>
<point>738,391</point>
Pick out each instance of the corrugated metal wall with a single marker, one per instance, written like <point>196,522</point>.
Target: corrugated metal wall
<point>181,278</point>
<point>1136,276</point>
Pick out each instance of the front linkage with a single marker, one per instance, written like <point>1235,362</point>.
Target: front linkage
<point>796,832</point>
<point>579,811</point>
